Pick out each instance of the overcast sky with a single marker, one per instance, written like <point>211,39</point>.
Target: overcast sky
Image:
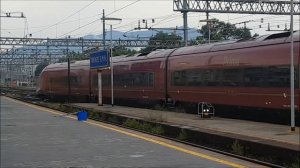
<point>78,18</point>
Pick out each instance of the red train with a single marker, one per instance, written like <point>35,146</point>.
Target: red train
<point>251,74</point>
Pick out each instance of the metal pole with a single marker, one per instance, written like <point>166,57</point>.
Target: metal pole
<point>82,45</point>
<point>111,68</point>
<point>32,76</point>
<point>69,82</point>
<point>10,68</point>
<point>208,26</point>
<point>7,74</point>
<point>292,71</point>
<point>103,22</point>
<point>48,51</point>
<point>99,88</point>
<point>185,26</point>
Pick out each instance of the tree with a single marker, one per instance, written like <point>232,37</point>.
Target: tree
<point>40,68</point>
<point>163,38</point>
<point>220,31</point>
<point>79,56</point>
<point>74,57</point>
<point>117,51</point>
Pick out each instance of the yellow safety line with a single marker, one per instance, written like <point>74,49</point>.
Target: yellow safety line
<point>143,138</point>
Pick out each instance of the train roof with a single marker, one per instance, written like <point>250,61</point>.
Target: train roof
<point>226,45</point>
<point>242,43</point>
<point>63,65</point>
<point>142,56</point>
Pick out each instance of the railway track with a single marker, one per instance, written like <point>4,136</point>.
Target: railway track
<point>23,93</point>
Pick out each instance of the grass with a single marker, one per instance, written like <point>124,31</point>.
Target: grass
<point>237,148</point>
<point>296,164</point>
<point>183,135</point>
<point>133,123</point>
<point>113,119</point>
<point>157,130</point>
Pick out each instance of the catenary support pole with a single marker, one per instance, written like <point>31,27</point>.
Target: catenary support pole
<point>111,68</point>
<point>185,24</point>
<point>99,88</point>
<point>292,71</point>
<point>103,22</point>
<point>69,72</point>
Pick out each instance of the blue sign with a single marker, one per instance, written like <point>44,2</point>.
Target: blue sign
<point>99,59</point>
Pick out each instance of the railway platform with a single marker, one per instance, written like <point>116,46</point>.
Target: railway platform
<point>34,136</point>
<point>263,133</point>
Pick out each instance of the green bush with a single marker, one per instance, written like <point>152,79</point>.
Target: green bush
<point>237,148</point>
<point>94,115</point>
<point>183,135</point>
<point>113,119</point>
<point>296,164</point>
<point>157,130</point>
<point>146,127</point>
<point>132,123</point>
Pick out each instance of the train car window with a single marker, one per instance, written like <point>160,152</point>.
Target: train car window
<point>74,80</point>
<point>106,80</point>
<point>297,77</point>
<point>278,76</point>
<point>117,80</point>
<point>94,81</point>
<point>61,81</point>
<point>134,79</point>
<point>129,79</point>
<point>196,78</point>
<point>211,77</point>
<point>151,79</point>
<point>254,77</point>
<point>138,79</point>
<point>179,78</point>
<point>275,76</point>
<point>193,78</point>
<point>232,77</point>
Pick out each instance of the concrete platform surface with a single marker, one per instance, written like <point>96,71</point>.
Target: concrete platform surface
<point>279,135</point>
<point>33,136</point>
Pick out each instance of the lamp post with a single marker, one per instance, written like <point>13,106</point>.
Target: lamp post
<point>111,68</point>
<point>292,71</point>
<point>111,54</point>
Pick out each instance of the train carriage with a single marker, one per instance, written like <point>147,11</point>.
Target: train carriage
<point>252,73</point>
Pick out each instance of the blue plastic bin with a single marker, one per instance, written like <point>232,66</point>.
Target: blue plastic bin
<point>82,116</point>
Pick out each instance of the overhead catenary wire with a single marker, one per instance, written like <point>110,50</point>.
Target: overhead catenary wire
<point>123,7</point>
<point>79,28</point>
<point>130,24</point>
<point>36,27</point>
<point>99,19</point>
<point>65,18</point>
